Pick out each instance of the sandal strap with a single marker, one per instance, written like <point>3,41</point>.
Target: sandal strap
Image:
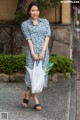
<point>37,105</point>
<point>25,101</point>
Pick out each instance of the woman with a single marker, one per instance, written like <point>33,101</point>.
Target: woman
<point>37,32</point>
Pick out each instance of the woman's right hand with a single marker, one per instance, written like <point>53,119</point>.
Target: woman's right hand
<point>35,57</point>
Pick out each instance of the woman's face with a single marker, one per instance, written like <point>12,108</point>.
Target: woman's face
<point>34,12</point>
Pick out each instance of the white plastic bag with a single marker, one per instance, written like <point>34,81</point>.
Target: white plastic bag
<point>37,77</point>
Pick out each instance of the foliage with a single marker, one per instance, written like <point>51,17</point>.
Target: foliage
<point>21,15</point>
<point>10,64</point>
<point>62,64</point>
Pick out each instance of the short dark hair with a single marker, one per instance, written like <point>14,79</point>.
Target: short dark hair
<point>33,3</point>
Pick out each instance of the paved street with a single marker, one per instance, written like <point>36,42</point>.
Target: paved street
<point>78,100</point>
<point>55,101</point>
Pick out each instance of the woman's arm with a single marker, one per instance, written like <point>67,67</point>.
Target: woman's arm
<point>27,35</point>
<point>46,41</point>
<point>35,57</point>
<point>31,46</point>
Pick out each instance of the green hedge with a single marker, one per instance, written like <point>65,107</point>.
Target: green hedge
<point>10,64</point>
<point>62,64</point>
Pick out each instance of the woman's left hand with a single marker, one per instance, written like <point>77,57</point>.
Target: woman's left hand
<point>41,56</point>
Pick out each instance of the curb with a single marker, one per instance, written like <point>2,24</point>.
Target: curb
<point>19,77</point>
<point>73,101</point>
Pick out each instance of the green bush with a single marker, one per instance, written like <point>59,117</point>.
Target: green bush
<point>62,64</point>
<point>10,64</point>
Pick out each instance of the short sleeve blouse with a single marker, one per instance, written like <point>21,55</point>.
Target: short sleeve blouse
<point>28,28</point>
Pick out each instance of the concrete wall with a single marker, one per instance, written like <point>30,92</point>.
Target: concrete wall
<point>61,40</point>
<point>10,39</point>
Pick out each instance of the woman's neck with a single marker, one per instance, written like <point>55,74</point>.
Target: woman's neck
<point>35,21</point>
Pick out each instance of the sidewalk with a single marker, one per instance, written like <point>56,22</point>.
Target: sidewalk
<point>55,101</point>
<point>78,100</point>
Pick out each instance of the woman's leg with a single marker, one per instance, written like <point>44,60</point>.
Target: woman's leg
<point>27,94</point>
<point>35,98</point>
<point>26,97</point>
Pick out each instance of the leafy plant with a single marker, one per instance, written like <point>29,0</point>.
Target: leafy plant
<point>21,15</point>
<point>62,64</point>
<point>10,64</point>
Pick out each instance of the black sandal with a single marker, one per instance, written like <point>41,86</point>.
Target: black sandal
<point>25,102</point>
<point>38,107</point>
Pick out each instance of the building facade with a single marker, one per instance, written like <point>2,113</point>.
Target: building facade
<point>11,39</point>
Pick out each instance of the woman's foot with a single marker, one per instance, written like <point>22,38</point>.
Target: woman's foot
<point>25,103</point>
<point>37,106</point>
<point>26,97</point>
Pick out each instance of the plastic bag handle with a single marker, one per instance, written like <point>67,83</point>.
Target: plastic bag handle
<point>40,63</point>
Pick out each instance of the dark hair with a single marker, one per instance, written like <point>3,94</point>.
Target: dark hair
<point>33,4</point>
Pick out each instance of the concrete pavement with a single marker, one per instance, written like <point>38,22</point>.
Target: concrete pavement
<point>78,100</point>
<point>55,101</point>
